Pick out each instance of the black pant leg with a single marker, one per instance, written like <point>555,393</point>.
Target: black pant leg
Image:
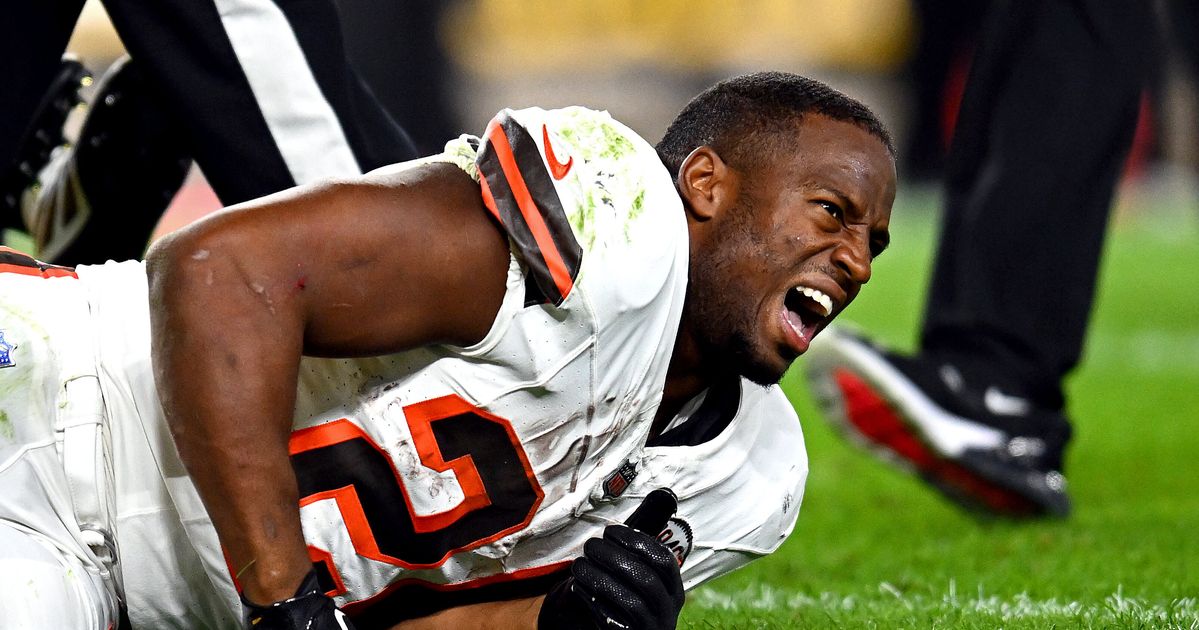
<point>1046,121</point>
<point>394,46</point>
<point>33,36</point>
<point>1182,16</point>
<point>375,138</point>
<point>947,30</point>
<point>264,90</point>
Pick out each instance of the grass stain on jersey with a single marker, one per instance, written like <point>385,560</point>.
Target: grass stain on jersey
<point>6,428</point>
<point>635,211</point>
<point>595,139</point>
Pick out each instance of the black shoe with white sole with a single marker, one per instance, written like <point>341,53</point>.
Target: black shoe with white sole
<point>41,138</point>
<point>102,196</point>
<point>984,448</point>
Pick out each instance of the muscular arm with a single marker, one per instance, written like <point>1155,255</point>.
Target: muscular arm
<point>383,264</point>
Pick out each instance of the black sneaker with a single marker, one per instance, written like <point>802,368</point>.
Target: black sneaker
<point>45,133</point>
<point>101,197</point>
<point>987,450</point>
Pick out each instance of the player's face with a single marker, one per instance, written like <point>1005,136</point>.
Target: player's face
<point>793,248</point>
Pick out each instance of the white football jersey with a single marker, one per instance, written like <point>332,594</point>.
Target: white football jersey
<point>447,475</point>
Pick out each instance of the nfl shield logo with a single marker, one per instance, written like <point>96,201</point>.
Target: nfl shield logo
<point>5,352</point>
<point>619,481</point>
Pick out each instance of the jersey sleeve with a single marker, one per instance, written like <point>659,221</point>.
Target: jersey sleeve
<point>517,181</point>
<point>599,244</point>
<point>573,184</point>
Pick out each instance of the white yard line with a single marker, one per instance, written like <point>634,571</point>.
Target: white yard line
<point>1179,613</point>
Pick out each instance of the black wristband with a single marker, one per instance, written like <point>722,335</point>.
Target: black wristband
<point>308,609</point>
<point>563,609</point>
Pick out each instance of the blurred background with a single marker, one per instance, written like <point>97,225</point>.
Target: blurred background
<point>444,67</point>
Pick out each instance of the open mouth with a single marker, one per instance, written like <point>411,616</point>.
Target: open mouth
<point>807,309</point>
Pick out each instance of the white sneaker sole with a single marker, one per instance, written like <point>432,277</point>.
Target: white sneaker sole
<point>947,434</point>
<point>876,406</point>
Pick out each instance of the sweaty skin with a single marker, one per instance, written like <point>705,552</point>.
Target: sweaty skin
<point>817,218</point>
<point>393,262</point>
<point>336,270</point>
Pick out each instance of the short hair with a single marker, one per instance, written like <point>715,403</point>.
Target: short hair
<point>739,117</point>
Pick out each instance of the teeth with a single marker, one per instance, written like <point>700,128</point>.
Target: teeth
<point>819,297</point>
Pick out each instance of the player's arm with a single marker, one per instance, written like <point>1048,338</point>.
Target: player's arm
<point>383,264</point>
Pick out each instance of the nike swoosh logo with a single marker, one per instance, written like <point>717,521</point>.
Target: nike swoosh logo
<point>557,169</point>
<point>1002,404</point>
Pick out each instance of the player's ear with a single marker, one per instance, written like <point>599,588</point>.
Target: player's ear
<point>707,183</point>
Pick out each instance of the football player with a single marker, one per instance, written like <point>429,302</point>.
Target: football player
<point>429,397</point>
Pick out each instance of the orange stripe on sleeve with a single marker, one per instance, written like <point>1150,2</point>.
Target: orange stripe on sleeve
<point>489,200</point>
<point>49,272</point>
<point>528,209</point>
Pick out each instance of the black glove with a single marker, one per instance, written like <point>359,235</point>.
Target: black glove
<point>308,609</point>
<point>627,579</point>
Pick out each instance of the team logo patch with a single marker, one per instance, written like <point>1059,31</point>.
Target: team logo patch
<point>615,485</point>
<point>677,538</point>
<point>6,352</point>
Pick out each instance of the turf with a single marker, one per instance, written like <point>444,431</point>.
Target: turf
<point>875,549</point>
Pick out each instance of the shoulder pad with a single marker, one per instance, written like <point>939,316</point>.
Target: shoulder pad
<point>518,188</point>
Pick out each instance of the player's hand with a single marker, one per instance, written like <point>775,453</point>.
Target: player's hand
<point>308,609</point>
<point>626,579</point>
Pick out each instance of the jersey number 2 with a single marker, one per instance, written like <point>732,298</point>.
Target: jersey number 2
<point>338,460</point>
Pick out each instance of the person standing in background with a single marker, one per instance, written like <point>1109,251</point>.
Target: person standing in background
<point>261,94</point>
<point>1046,121</point>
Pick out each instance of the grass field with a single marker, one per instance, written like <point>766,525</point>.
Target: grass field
<point>876,549</point>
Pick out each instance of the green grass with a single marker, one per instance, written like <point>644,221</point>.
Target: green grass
<point>876,549</point>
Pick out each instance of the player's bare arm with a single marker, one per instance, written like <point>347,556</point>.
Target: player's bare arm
<point>379,265</point>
